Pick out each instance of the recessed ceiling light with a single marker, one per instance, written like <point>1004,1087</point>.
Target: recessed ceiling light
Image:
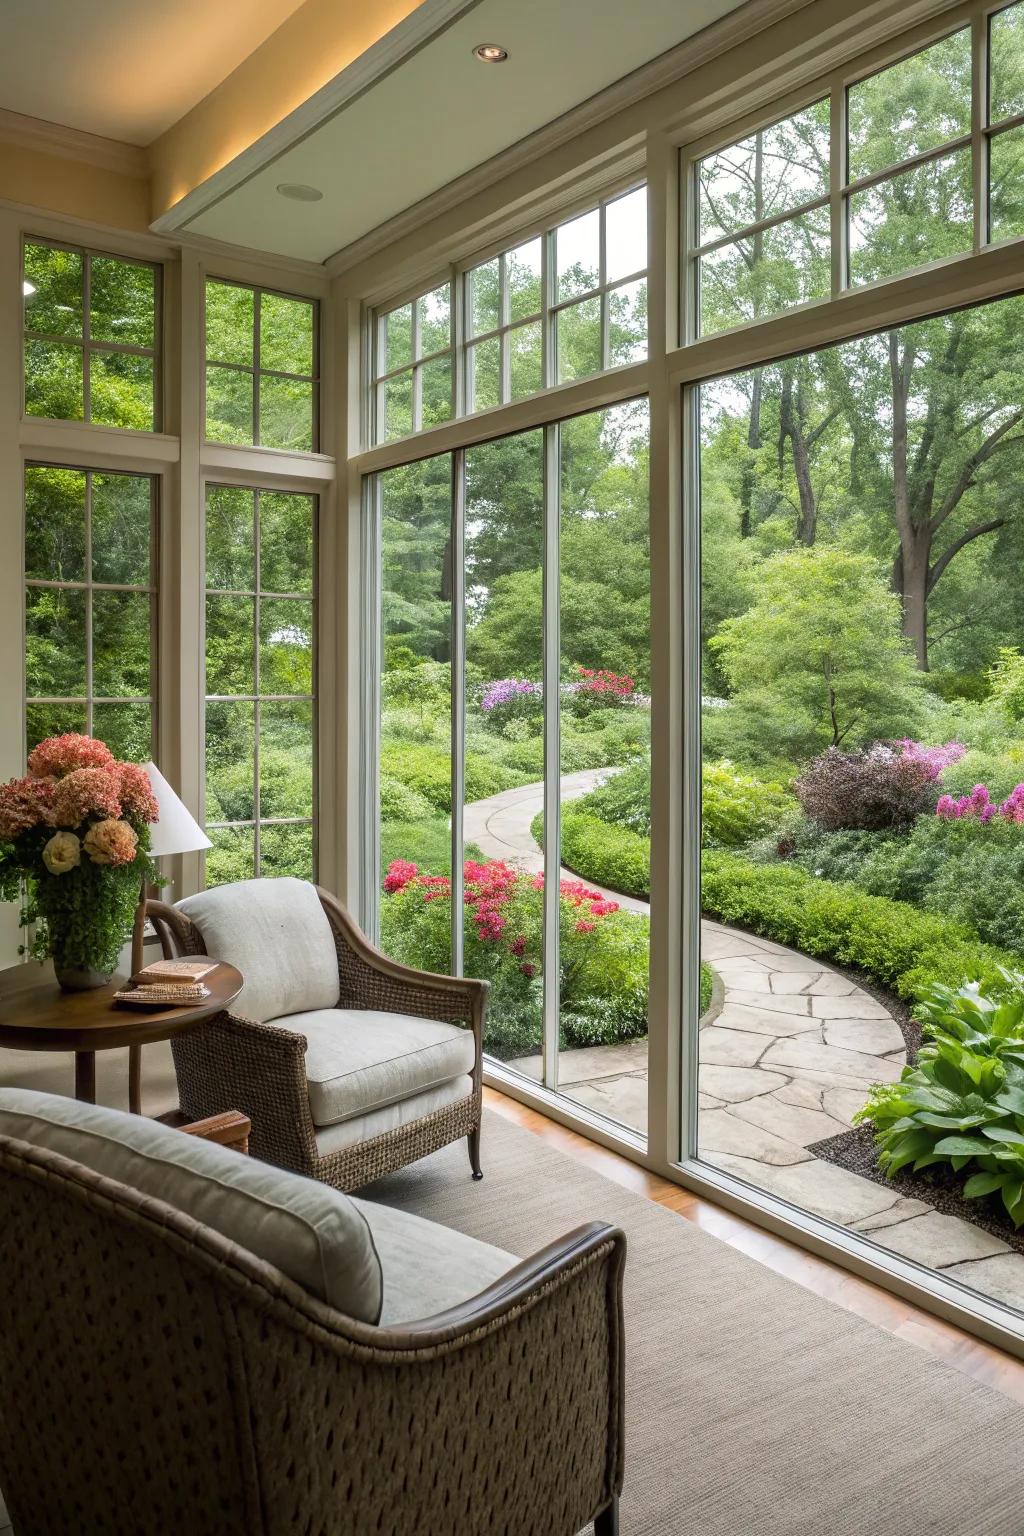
<point>299,192</point>
<point>27,287</point>
<point>490,53</point>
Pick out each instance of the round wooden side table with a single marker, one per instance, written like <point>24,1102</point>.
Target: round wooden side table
<point>38,1016</point>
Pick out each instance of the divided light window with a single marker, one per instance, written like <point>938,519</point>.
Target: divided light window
<point>260,694</point>
<point>766,233</point>
<point>92,326</point>
<point>262,367</point>
<point>90,606</point>
<point>566,304</point>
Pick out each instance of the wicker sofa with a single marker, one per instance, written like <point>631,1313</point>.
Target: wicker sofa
<point>348,1064</point>
<point>157,1375</point>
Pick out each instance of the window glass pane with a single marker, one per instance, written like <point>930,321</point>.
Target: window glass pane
<point>1006,64</point>
<point>230,762</point>
<point>627,323</point>
<point>54,381</point>
<point>54,643</point>
<point>625,235</point>
<point>578,255</point>
<point>230,323</point>
<point>43,720</point>
<point>54,524</point>
<point>287,851</point>
<point>232,856</point>
<point>229,405</point>
<point>122,297</point>
<point>286,760</point>
<point>230,538</point>
<point>230,645</point>
<point>121,642</point>
<point>523,275</point>
<point>286,646</point>
<point>485,365</point>
<point>121,390</point>
<point>579,340</point>
<point>1006,185</point>
<point>286,413</point>
<point>286,334</point>
<point>436,384</point>
<point>122,516</point>
<point>913,106</point>
<point>435,326</point>
<point>918,216</point>
<point>54,278</point>
<point>485,296</point>
<point>766,273</point>
<point>525,360</point>
<point>127,729</point>
<point>415,761</point>
<point>503,910</point>
<point>397,406</point>
<point>286,542</point>
<point>397,338</point>
<point>777,168</point>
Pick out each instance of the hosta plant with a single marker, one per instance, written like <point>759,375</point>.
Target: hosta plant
<point>962,1104</point>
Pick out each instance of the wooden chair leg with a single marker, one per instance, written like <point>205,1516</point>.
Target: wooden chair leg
<point>474,1153</point>
<point>135,1079</point>
<point>607,1522</point>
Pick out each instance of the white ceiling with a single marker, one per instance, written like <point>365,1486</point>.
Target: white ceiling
<point>126,69</point>
<point>441,112</point>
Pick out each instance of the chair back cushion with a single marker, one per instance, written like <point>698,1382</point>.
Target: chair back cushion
<point>313,1233</point>
<point>277,934</point>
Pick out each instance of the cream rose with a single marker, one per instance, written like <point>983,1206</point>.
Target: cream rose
<point>62,853</point>
<point>111,842</point>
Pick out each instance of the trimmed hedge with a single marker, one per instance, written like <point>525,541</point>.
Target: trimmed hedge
<point>896,944</point>
<point>607,855</point>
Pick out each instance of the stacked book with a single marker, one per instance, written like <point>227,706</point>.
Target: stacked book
<point>169,981</point>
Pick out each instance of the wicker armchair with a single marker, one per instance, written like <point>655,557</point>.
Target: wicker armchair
<point>261,1067</point>
<point>157,1377</point>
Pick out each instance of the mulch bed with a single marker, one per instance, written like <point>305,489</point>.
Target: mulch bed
<point>938,1187</point>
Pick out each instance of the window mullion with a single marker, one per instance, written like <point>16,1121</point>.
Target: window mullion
<point>838,223</point>
<point>552,751</point>
<point>549,369</point>
<point>979,117</point>
<point>459,329</point>
<point>458,699</point>
<point>257,681</point>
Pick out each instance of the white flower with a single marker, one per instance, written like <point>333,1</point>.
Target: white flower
<point>62,853</point>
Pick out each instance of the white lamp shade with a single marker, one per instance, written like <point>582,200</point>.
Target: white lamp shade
<point>176,831</point>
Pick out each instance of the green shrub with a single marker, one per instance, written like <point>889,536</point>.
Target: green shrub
<point>1006,682</point>
<point>1001,770</point>
<point>736,807</point>
<point>962,1104</point>
<point>426,843</point>
<point>400,803</point>
<point>707,982</point>
<point>607,855</point>
<point>900,947</point>
<point>623,800</point>
<point>427,771</point>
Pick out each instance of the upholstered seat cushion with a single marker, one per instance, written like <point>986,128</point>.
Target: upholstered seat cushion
<point>313,1233</point>
<point>277,934</point>
<point>428,1268</point>
<point>359,1060</point>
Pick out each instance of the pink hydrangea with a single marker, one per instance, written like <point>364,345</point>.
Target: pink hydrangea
<point>24,804</point>
<point>136,791</point>
<point>61,755</point>
<point>111,842</point>
<point>85,792</point>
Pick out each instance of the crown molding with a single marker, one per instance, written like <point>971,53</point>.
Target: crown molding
<point>72,144</point>
<point>242,255</point>
<point>427,21</point>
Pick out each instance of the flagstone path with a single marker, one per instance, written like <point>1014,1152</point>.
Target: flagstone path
<point>787,1053</point>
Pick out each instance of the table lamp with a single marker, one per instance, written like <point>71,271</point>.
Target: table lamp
<point>174,831</point>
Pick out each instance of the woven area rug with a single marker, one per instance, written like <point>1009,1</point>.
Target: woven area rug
<point>753,1407</point>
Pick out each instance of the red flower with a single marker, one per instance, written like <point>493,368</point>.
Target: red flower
<point>399,874</point>
<point>528,968</point>
<point>584,927</point>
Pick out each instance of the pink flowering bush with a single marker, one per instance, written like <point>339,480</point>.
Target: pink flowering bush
<point>884,787</point>
<point>74,836</point>
<point>603,983</point>
<point>979,806</point>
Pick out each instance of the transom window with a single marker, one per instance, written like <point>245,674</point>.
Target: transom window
<point>91,336</point>
<point>767,234</point>
<point>260,696</point>
<point>562,305</point>
<point>262,367</point>
<point>90,606</point>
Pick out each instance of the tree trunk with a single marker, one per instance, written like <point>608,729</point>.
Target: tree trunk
<point>749,476</point>
<point>792,426</point>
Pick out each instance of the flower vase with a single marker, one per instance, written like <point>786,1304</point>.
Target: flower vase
<point>76,978</point>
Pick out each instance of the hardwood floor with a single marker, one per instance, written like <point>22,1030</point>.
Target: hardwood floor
<point>982,1361</point>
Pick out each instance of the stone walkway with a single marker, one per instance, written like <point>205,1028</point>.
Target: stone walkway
<point>787,1053</point>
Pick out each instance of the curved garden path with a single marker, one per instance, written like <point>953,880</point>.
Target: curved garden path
<point>788,1050</point>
